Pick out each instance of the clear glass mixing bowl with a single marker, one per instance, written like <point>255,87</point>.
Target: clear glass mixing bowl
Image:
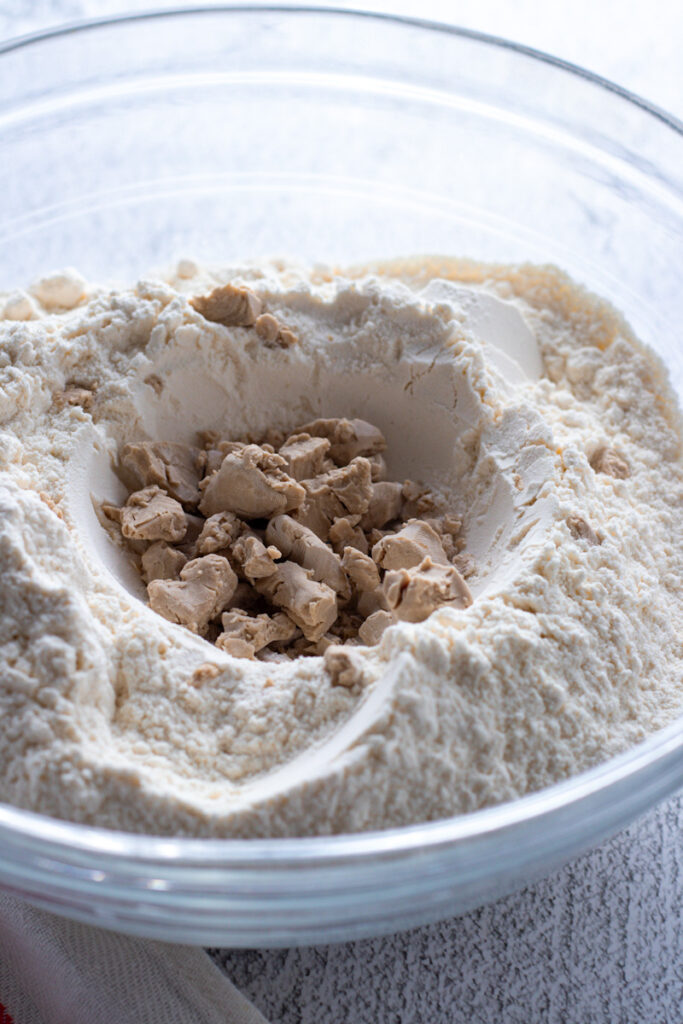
<point>338,137</point>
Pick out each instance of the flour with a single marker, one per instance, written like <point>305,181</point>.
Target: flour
<point>510,392</point>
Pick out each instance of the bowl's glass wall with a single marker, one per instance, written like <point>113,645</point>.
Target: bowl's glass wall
<point>335,138</point>
<point>330,139</point>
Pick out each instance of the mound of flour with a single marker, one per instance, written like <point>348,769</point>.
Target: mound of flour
<point>523,402</point>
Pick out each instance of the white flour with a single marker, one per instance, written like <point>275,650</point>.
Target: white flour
<point>571,652</point>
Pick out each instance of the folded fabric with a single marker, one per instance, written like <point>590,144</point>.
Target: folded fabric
<point>55,971</point>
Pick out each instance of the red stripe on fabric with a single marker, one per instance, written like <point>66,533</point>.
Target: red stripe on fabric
<point>4,1016</point>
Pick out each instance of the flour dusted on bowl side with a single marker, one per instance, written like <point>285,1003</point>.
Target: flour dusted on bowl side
<point>501,536</point>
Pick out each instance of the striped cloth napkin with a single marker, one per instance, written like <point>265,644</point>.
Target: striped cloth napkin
<point>55,971</point>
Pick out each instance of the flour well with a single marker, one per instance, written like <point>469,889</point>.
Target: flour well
<point>523,402</point>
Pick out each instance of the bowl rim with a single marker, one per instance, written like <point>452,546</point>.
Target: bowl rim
<point>664,745</point>
<point>88,24</point>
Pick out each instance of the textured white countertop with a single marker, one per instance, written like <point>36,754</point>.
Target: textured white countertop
<point>602,939</point>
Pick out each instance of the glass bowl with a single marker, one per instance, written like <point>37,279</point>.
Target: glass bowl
<point>338,137</point>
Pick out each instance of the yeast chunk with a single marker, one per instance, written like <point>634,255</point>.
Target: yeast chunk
<point>150,514</point>
<point>252,484</point>
<point>205,586</point>
<point>413,594</point>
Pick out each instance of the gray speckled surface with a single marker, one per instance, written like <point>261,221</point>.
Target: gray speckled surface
<point>600,940</point>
